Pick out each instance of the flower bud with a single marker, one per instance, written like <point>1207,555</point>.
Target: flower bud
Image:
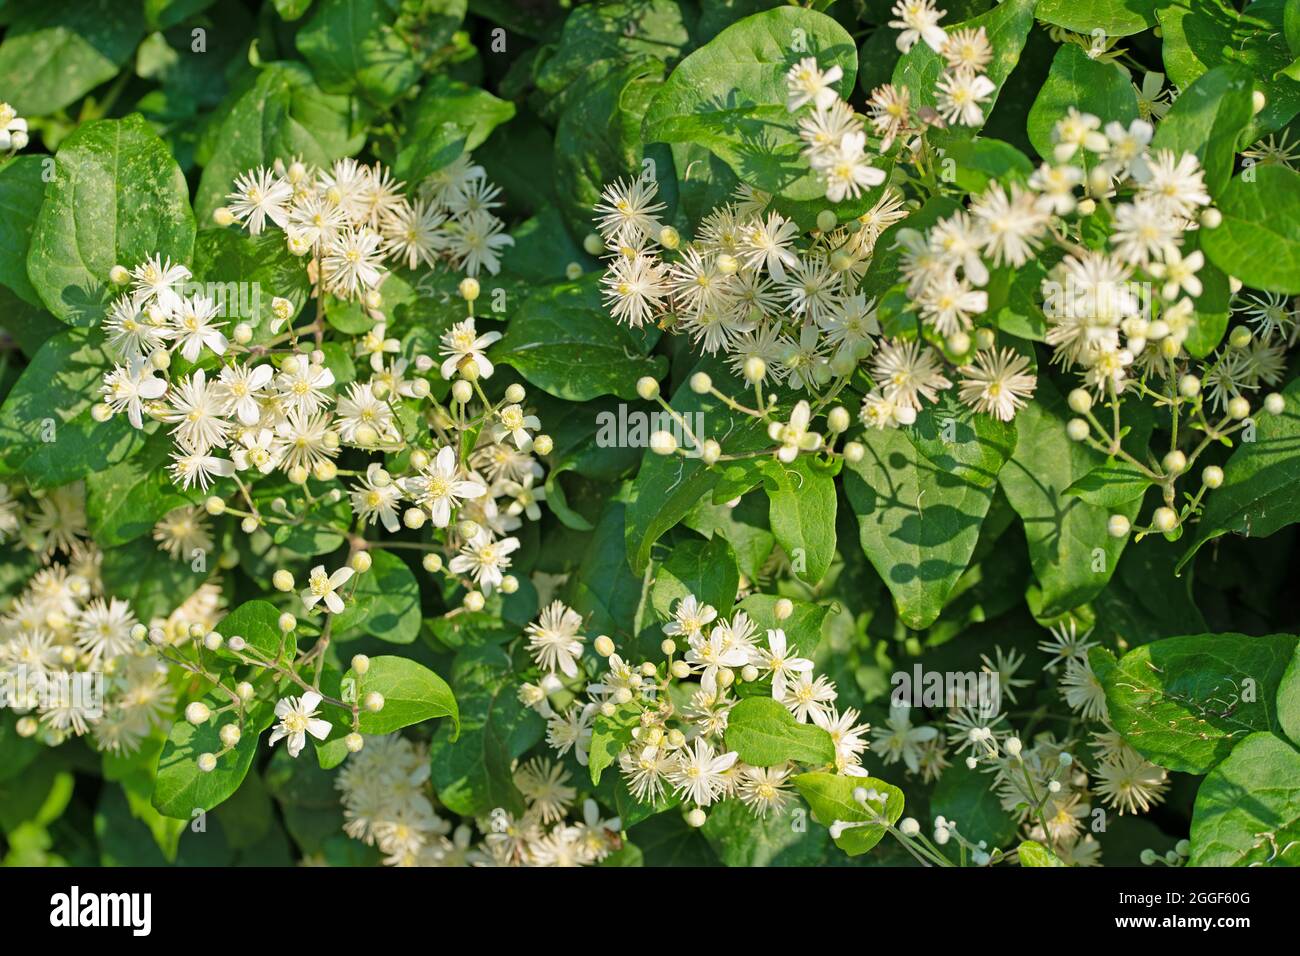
<point>837,419</point>
<point>663,443</point>
<point>696,818</point>
<point>1175,463</point>
<point>1117,526</point>
<point>374,702</point>
<point>827,220</point>
<point>593,245</point>
<point>197,712</point>
<point>1189,386</point>
<point>647,388</point>
<point>1080,401</point>
<point>1274,403</point>
<point>1077,429</point>
<point>207,762</point>
<point>669,237</point>
<point>469,289</point>
<point>230,735</point>
<point>783,608</point>
<point>462,391</point>
<point>755,369</point>
<point>680,669</point>
<point>213,641</point>
<point>432,562</point>
<point>222,216</point>
<point>603,645</point>
<point>1240,337</point>
<point>701,383</point>
<point>474,601</point>
<point>1164,519</point>
<point>361,562</point>
<point>1211,218</point>
<point>854,451</point>
<point>1212,476</point>
<point>414,518</point>
<point>749,673</point>
<point>242,334</point>
<point>354,742</point>
<point>668,646</point>
<point>282,580</point>
<point>287,622</point>
<point>245,691</point>
<point>1238,407</point>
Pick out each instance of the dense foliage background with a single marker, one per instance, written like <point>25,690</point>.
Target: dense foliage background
<point>141,114</point>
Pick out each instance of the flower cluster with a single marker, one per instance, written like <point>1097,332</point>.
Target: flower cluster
<point>679,708</point>
<point>73,661</point>
<point>351,218</point>
<point>781,303</point>
<point>388,803</point>
<point>833,135</point>
<point>1040,783</point>
<point>962,89</point>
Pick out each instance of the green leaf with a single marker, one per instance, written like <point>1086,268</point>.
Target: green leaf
<point>258,623</point>
<point>668,486</point>
<point>180,787</point>
<point>765,733</point>
<point>729,96</point>
<point>610,736</point>
<point>1183,702</point>
<point>125,501</point>
<point>962,442</point>
<point>1116,18</point>
<point>1033,853</point>
<point>831,799</point>
<point>1202,34</point>
<point>1247,810</point>
<point>742,839</point>
<point>802,513</point>
<point>412,695</point>
<point>1111,485</point>
<point>46,429</point>
<point>473,776</point>
<point>1207,119</point>
<point>117,197</point>
<point>1072,554</point>
<point>447,119</point>
<point>563,340</point>
<point>282,115</point>
<point>803,628</point>
<point>1090,86</point>
<point>1288,700</point>
<point>1259,238</point>
<point>353,48</point>
<point>706,569</point>
<point>604,590</point>
<point>1257,496</point>
<point>1007,26</point>
<point>55,53</point>
<point>917,523</point>
<point>386,603</point>
<point>244,273</point>
<point>22,189</point>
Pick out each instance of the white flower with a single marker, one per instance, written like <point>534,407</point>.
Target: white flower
<point>377,496</point>
<point>1179,272</point>
<point>462,344</point>
<point>195,412</point>
<point>304,385</point>
<point>627,213</point>
<point>475,243</point>
<point>690,617</point>
<point>1174,183</point>
<point>297,719</point>
<point>415,232</point>
<point>438,488</point>
<point>806,83</point>
<point>353,263</point>
<point>554,641</point>
<point>323,587</point>
<point>846,169</point>
<point>125,389</point>
<point>154,281</point>
<point>260,194</point>
<point>899,739</point>
<point>794,435</point>
<point>997,383</point>
<point>361,408</point>
<point>960,96</point>
<point>484,559</point>
<point>515,424</point>
<point>104,628</point>
<point>200,468</point>
<point>776,660</point>
<point>635,288</point>
<point>1077,130</point>
<point>237,388</point>
<point>700,776</point>
<point>918,20</point>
